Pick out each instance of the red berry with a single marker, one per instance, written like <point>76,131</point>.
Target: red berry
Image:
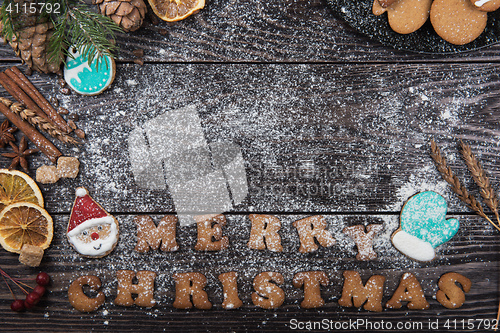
<point>42,279</point>
<point>17,305</point>
<point>32,298</point>
<point>28,305</point>
<point>39,290</point>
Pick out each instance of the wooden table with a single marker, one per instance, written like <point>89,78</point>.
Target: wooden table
<point>312,105</point>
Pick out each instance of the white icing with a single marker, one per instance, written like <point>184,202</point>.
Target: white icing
<point>91,223</point>
<point>80,192</point>
<point>479,3</point>
<point>95,78</point>
<point>412,246</point>
<point>99,246</point>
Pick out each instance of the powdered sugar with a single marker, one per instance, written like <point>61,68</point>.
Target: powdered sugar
<point>316,139</point>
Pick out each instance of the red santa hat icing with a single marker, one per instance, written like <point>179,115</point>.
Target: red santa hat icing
<point>86,213</point>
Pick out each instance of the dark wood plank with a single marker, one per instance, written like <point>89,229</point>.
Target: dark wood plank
<point>265,31</point>
<point>315,138</point>
<point>473,252</point>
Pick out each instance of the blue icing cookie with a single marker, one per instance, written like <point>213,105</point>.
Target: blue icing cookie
<point>424,226</point>
<point>85,79</point>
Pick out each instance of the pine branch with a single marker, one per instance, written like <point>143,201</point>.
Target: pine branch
<point>58,41</point>
<point>8,27</point>
<point>91,33</point>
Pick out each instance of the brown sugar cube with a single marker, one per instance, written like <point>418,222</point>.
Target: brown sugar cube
<point>68,167</point>
<point>47,174</point>
<point>31,255</point>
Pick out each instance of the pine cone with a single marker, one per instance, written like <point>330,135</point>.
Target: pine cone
<point>32,47</point>
<point>32,42</point>
<point>128,14</point>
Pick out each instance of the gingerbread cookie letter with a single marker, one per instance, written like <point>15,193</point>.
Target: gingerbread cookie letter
<point>264,233</point>
<point>423,226</point>
<point>150,237</point>
<point>191,285</point>
<point>144,288</point>
<point>91,230</point>
<point>210,226</point>
<point>364,240</point>
<point>82,302</point>
<point>230,291</point>
<point>449,294</point>
<point>312,291</point>
<point>268,295</point>
<point>355,294</point>
<point>310,228</point>
<point>409,290</point>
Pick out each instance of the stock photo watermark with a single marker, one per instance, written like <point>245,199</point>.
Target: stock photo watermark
<point>363,324</point>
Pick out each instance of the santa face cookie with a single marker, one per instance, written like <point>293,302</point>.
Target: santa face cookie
<point>424,226</point>
<point>85,79</point>
<point>91,230</point>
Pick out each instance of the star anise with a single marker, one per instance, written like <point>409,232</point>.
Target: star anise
<point>6,133</point>
<point>19,155</point>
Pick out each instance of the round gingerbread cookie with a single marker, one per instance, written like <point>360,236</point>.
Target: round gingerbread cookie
<point>486,5</point>
<point>457,21</point>
<point>85,79</point>
<point>407,16</point>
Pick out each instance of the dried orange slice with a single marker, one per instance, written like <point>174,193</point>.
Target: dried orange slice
<point>25,223</point>
<point>16,186</point>
<point>175,10</point>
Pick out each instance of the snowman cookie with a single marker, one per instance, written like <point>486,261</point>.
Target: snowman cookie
<point>85,79</point>
<point>423,226</point>
<point>91,230</point>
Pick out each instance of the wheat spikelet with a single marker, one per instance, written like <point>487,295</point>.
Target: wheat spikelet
<point>487,193</point>
<point>31,117</point>
<point>456,186</point>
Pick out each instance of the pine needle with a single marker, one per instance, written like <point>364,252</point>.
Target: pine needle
<point>91,33</point>
<point>8,26</point>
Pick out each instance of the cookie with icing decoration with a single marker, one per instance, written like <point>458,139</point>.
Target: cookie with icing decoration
<point>92,231</point>
<point>486,5</point>
<point>85,79</point>
<point>423,226</point>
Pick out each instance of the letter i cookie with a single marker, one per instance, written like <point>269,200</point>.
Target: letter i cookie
<point>423,226</point>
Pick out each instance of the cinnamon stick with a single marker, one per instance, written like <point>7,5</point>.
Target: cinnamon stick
<point>22,81</point>
<point>16,92</point>
<point>38,139</point>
